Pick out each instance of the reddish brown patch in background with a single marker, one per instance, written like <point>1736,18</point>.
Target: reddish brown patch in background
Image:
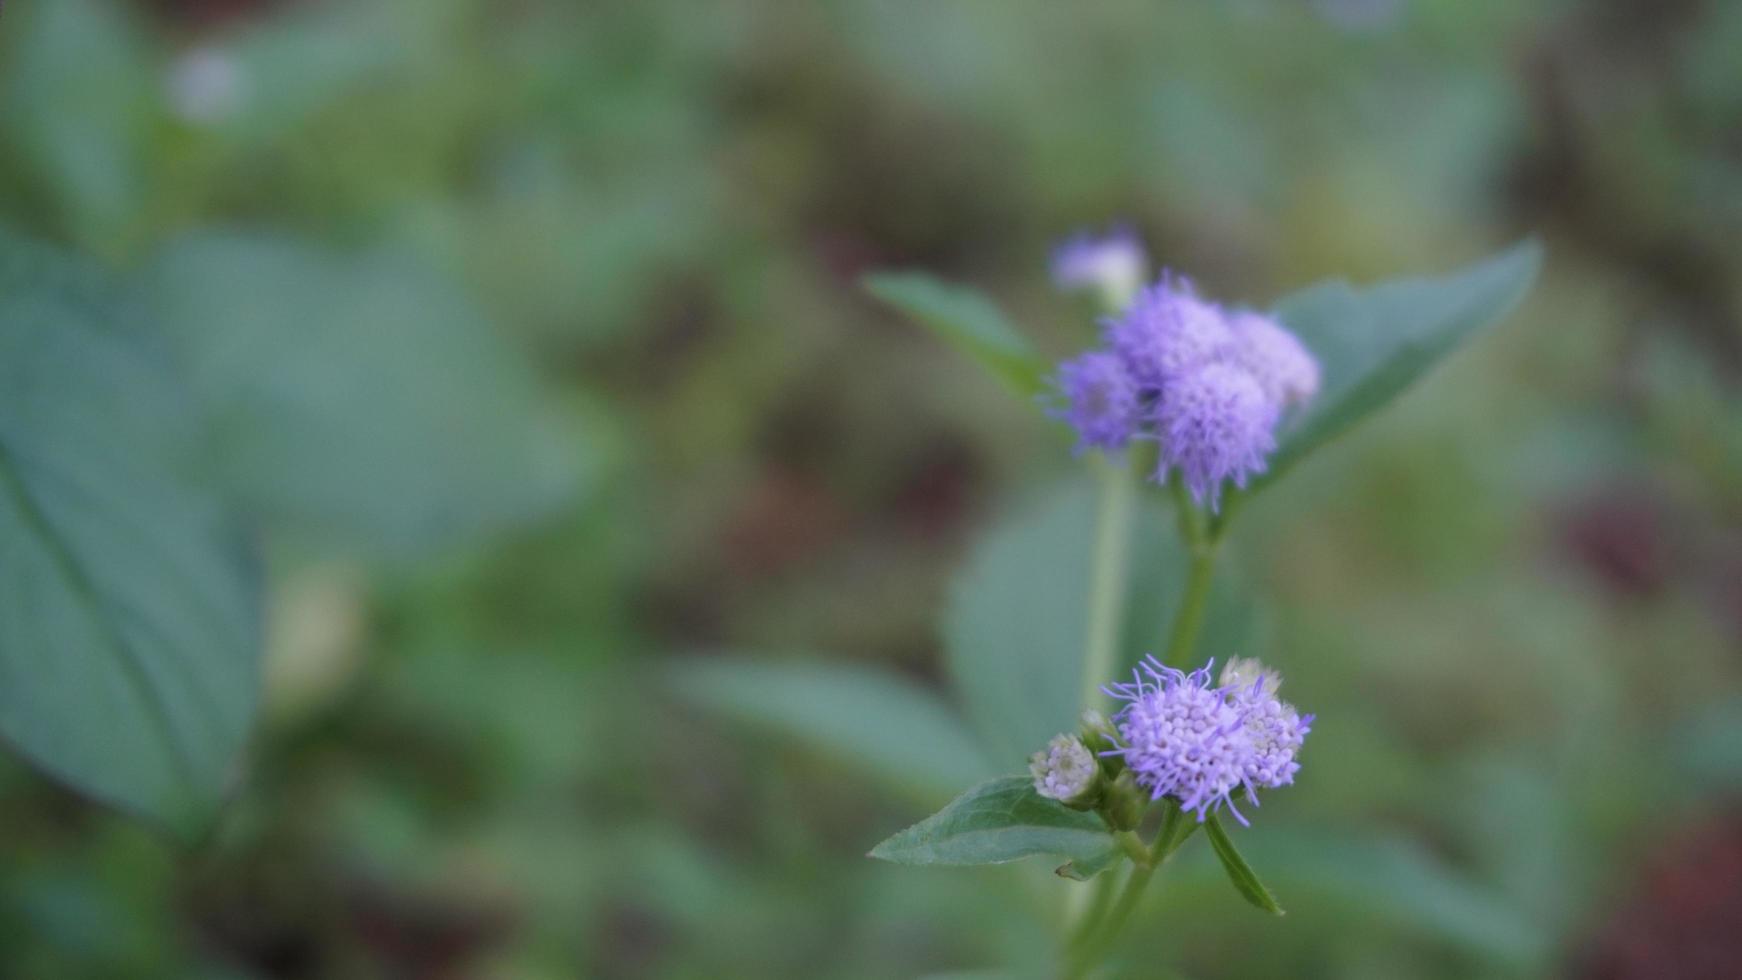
<point>1683,919</point>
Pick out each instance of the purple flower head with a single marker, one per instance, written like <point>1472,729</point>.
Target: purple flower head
<point>1274,726</point>
<point>1182,737</point>
<point>1168,331</point>
<point>1215,424</point>
<point>1113,265</point>
<point>1065,770</point>
<point>1197,743</point>
<point>1101,400</point>
<point>1275,358</point>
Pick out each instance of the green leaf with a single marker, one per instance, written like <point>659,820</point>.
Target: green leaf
<point>899,730</point>
<point>358,396</point>
<point>129,606</point>
<point>1014,626</point>
<point>75,94</point>
<point>1239,872</point>
<point>1085,869</point>
<point>997,821</point>
<point>1374,343</point>
<point>968,321</point>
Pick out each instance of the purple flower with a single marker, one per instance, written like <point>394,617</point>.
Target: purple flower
<point>1275,358</point>
<point>1181,737</point>
<point>1184,738</point>
<point>1101,400</point>
<point>1168,331</point>
<point>1214,424</point>
<point>1274,726</point>
<point>1113,265</point>
<point>1207,385</point>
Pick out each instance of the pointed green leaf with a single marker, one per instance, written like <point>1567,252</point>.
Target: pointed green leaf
<point>1373,343</point>
<point>129,606</point>
<point>997,821</point>
<point>1239,872</point>
<point>968,321</point>
<point>895,728</point>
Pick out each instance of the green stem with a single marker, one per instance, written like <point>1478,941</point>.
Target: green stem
<point>1168,837</point>
<point>1107,586</point>
<point>1132,846</point>
<point>1098,904</point>
<point>1201,544</point>
<point>1190,618</point>
<point>1219,524</point>
<point>1091,944</point>
<point>1094,946</point>
<point>1192,529</point>
<point>1093,949</point>
<point>1128,901</point>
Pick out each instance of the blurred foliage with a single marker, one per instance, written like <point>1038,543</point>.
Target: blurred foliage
<point>1513,599</point>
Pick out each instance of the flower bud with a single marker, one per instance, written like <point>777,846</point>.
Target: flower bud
<point>1113,266</point>
<point>1248,673</point>
<point>1067,771</point>
<point>1124,802</point>
<point>1102,739</point>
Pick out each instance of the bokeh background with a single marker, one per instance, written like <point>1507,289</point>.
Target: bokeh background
<point>1514,600</point>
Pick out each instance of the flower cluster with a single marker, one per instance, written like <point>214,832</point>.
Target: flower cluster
<point>1208,384</point>
<point>1197,742</point>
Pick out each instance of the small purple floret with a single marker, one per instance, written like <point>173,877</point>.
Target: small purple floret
<point>1275,358</point>
<point>1169,331</point>
<point>1101,400</point>
<point>1214,424</point>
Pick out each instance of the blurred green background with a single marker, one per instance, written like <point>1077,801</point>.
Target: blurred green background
<point>1514,601</point>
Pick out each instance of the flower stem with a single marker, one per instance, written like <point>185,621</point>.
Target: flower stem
<point>1129,898</point>
<point>1190,618</point>
<point>1133,846</point>
<point>1201,545</point>
<point>1090,921</point>
<point>1107,572</point>
<point>1091,944</point>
